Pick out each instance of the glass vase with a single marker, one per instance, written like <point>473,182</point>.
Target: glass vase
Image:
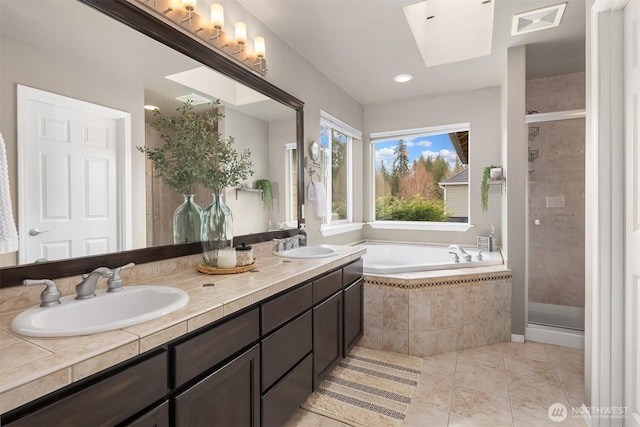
<point>187,221</point>
<point>217,230</point>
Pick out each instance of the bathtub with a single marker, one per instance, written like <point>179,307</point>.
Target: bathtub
<point>392,258</point>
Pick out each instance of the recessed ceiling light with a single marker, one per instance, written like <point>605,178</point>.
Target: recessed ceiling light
<point>403,78</point>
<point>150,107</point>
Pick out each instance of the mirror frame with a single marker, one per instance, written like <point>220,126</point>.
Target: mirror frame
<point>147,24</point>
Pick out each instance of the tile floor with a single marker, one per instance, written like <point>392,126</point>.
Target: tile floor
<point>506,384</point>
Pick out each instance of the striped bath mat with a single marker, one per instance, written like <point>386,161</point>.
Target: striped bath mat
<point>368,388</point>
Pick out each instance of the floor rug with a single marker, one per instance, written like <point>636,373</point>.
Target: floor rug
<point>368,388</point>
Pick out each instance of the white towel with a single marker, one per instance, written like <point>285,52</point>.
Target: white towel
<point>317,193</point>
<point>8,233</point>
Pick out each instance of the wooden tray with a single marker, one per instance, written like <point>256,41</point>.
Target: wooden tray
<point>203,268</point>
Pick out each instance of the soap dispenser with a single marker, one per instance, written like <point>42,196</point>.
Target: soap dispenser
<point>303,233</point>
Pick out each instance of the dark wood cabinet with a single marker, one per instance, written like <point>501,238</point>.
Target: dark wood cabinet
<point>115,396</point>
<point>156,417</point>
<point>288,394</point>
<point>207,349</point>
<point>353,315</point>
<point>254,367</point>
<point>228,397</point>
<point>327,337</point>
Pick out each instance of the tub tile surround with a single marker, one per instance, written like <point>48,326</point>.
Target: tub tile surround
<point>32,367</point>
<point>429,313</point>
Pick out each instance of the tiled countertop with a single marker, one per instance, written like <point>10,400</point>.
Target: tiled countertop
<point>33,367</point>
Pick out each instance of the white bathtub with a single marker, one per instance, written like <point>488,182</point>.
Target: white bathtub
<point>391,258</point>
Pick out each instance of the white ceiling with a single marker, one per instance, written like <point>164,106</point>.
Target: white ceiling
<point>362,44</point>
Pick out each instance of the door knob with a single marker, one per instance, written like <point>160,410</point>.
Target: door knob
<point>537,222</point>
<point>35,232</point>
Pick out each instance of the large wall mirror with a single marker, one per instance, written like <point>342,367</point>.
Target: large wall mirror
<point>104,61</point>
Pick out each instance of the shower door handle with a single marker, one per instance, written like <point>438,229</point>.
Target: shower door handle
<point>537,222</point>
<point>35,232</point>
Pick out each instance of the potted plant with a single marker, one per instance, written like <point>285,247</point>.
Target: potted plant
<point>221,166</point>
<point>484,186</point>
<point>176,162</point>
<point>267,193</point>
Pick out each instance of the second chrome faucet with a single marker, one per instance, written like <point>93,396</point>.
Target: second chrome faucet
<point>87,287</point>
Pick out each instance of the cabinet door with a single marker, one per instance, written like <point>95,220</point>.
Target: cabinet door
<point>108,401</point>
<point>327,337</point>
<point>157,417</point>
<point>228,397</point>
<point>353,315</point>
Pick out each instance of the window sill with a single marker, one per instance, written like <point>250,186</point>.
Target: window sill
<point>332,230</point>
<point>420,226</point>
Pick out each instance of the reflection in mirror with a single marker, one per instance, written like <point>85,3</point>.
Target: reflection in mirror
<point>98,64</point>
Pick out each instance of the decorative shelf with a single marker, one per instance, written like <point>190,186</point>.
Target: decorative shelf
<point>502,182</point>
<point>248,190</point>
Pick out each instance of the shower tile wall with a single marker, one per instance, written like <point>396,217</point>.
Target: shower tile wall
<point>556,194</point>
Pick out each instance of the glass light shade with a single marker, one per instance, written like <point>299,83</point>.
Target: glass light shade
<point>241,32</point>
<point>259,47</point>
<point>189,5</point>
<point>217,16</point>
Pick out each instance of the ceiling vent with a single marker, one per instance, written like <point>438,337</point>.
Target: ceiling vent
<point>195,99</point>
<point>539,19</point>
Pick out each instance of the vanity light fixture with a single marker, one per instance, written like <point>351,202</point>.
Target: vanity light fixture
<point>211,30</point>
<point>189,6</point>
<point>217,19</point>
<point>241,35</point>
<point>403,78</point>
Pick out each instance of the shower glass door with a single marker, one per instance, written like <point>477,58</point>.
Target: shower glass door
<point>556,223</point>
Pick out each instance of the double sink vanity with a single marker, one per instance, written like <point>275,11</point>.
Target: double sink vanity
<point>245,349</point>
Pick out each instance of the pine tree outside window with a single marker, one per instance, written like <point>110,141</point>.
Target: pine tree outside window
<point>421,175</point>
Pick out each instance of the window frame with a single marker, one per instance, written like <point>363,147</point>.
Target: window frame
<point>377,137</point>
<point>352,134</point>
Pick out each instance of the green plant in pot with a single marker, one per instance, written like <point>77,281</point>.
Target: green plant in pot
<point>221,166</point>
<point>177,159</point>
<point>484,186</point>
<point>267,193</point>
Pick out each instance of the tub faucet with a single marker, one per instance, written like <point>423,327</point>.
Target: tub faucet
<point>465,255</point>
<point>87,288</point>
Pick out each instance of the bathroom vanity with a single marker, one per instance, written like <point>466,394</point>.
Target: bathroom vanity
<point>254,366</point>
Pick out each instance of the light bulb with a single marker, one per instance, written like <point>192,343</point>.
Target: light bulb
<point>241,32</point>
<point>217,16</point>
<point>259,47</point>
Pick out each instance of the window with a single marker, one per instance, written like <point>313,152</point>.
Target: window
<point>421,174</point>
<point>336,166</point>
<point>291,182</point>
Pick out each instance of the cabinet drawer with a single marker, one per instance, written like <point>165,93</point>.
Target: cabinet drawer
<point>327,286</point>
<point>107,402</point>
<point>206,350</point>
<point>352,272</point>
<point>280,402</point>
<point>284,348</point>
<point>276,312</point>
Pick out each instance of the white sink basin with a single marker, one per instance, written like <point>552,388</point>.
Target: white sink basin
<point>104,312</point>
<point>318,251</point>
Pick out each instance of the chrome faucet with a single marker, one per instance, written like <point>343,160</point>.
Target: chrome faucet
<point>87,288</point>
<point>294,241</point>
<point>463,253</point>
<point>50,296</point>
<point>114,284</point>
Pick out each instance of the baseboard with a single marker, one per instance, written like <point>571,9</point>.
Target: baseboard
<point>554,335</point>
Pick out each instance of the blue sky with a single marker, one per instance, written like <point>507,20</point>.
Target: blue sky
<point>423,145</point>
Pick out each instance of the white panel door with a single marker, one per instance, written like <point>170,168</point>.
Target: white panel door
<point>70,194</point>
<point>631,17</point>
